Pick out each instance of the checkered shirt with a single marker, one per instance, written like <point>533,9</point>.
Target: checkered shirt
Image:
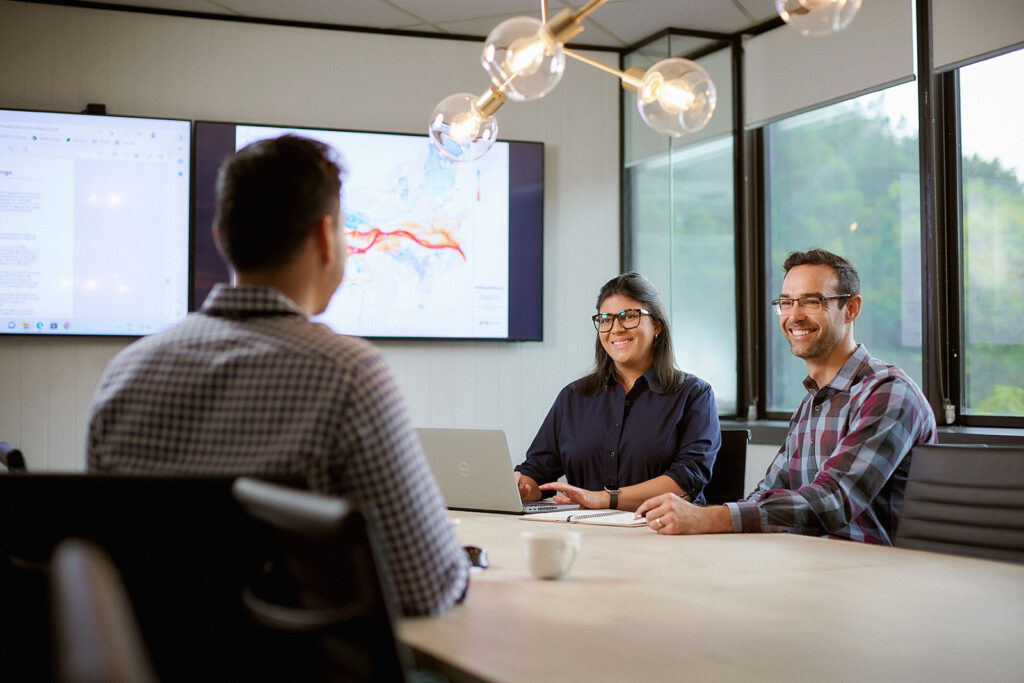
<point>843,468</point>
<point>248,385</point>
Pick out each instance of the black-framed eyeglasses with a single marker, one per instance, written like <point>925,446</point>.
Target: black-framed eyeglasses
<point>628,318</point>
<point>808,303</point>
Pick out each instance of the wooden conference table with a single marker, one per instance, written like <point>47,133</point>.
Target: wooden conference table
<point>639,606</point>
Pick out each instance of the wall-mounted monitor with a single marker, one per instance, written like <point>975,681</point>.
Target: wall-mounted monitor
<point>94,223</point>
<point>437,250</point>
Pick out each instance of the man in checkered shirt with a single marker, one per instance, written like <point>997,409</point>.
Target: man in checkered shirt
<point>843,468</point>
<point>248,385</point>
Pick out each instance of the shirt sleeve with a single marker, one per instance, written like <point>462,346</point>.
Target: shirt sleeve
<point>699,436</point>
<point>381,463</point>
<point>543,462</point>
<point>880,433</point>
<point>777,477</point>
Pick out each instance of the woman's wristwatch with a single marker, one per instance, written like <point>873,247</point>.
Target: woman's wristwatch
<point>613,494</point>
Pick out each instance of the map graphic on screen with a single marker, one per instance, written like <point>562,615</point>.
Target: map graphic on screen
<point>436,250</point>
<point>427,239</point>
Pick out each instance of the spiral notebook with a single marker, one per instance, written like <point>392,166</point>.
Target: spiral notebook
<point>598,517</point>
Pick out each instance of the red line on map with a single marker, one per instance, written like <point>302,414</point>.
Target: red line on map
<point>376,235</point>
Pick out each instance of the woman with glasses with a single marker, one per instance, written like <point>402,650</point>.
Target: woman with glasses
<point>636,426</point>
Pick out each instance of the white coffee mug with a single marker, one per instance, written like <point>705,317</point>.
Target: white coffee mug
<point>550,554</point>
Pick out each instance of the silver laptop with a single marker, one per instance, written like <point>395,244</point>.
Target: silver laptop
<point>474,471</point>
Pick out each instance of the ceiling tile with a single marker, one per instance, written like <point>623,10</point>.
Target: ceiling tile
<point>435,11</point>
<point>368,13</point>
<point>617,24</point>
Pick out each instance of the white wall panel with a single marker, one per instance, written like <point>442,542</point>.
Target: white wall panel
<point>60,58</point>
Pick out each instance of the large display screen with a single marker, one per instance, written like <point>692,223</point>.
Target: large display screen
<point>436,250</point>
<point>94,223</point>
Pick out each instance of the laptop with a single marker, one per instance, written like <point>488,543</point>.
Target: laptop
<point>474,470</point>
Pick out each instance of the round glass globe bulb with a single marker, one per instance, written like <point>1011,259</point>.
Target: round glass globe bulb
<point>459,131</point>
<point>676,97</point>
<point>522,59</point>
<point>817,17</point>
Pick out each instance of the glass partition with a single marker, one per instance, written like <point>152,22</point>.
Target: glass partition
<point>679,219</point>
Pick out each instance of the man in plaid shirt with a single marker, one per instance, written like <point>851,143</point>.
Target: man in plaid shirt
<point>843,468</point>
<point>248,385</point>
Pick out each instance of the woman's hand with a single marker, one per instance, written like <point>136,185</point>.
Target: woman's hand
<point>574,494</point>
<point>528,489</point>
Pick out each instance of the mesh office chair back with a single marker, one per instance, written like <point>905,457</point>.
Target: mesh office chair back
<point>965,500</point>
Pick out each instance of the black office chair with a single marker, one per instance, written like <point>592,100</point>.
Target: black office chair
<point>96,637</point>
<point>964,500</point>
<point>183,547</point>
<point>726,485</point>
<point>326,585</point>
<point>11,458</point>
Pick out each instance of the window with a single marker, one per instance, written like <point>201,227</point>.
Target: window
<point>992,176</point>
<point>846,178</point>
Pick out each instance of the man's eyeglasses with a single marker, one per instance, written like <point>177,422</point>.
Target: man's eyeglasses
<point>628,318</point>
<point>808,303</point>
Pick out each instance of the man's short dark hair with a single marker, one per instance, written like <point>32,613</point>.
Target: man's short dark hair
<point>270,194</point>
<point>849,281</point>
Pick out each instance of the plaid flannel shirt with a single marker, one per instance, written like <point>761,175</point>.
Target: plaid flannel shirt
<point>248,385</point>
<point>843,468</point>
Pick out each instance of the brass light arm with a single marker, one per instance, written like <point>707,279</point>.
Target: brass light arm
<point>490,102</point>
<point>566,24</point>
<point>630,77</point>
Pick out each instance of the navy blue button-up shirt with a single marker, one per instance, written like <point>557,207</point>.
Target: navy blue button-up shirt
<point>616,439</point>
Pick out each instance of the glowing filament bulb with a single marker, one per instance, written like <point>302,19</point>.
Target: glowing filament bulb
<point>465,127</point>
<point>524,56</point>
<point>676,97</point>
<point>673,96</point>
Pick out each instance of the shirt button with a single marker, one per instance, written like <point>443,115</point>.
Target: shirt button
<point>613,454</point>
<point>627,402</point>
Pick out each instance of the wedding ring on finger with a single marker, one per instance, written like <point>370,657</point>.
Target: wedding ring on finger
<point>661,524</point>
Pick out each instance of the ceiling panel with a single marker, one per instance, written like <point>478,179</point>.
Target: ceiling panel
<point>368,13</point>
<point>617,24</point>
<point>441,11</point>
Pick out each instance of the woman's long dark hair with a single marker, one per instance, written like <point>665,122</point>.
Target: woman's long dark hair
<point>667,377</point>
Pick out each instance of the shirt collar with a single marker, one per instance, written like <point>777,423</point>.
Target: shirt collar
<point>647,377</point>
<point>844,379</point>
<point>247,300</point>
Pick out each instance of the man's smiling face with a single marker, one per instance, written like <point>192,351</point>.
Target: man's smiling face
<point>812,334</point>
